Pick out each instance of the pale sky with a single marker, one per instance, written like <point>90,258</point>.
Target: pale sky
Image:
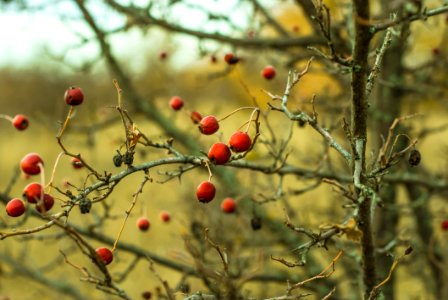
<point>26,36</point>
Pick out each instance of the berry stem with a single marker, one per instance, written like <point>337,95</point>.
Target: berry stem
<point>119,92</point>
<point>256,110</point>
<point>6,117</point>
<point>49,184</point>
<point>64,126</point>
<point>41,203</point>
<point>207,165</point>
<point>235,111</point>
<point>129,210</point>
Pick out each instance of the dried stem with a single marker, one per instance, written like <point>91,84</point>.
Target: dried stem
<point>129,210</point>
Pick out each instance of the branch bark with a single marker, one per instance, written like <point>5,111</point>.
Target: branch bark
<point>359,106</point>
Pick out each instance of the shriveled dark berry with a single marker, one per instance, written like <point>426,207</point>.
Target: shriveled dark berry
<point>118,160</point>
<point>414,158</point>
<point>128,158</point>
<point>408,250</point>
<point>255,222</point>
<point>85,205</point>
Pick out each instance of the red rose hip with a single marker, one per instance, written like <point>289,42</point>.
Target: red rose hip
<point>30,164</point>
<point>46,204</point>
<point>105,255</point>
<point>208,125</point>
<point>15,208</point>
<point>33,192</point>
<point>268,72</point>
<point>228,205</point>
<point>176,103</point>
<point>195,117</point>
<point>165,216</point>
<point>74,96</point>
<point>444,225</point>
<point>231,59</point>
<point>76,163</point>
<point>163,55</point>
<point>219,153</point>
<point>20,122</point>
<point>240,141</point>
<point>143,224</point>
<point>205,192</point>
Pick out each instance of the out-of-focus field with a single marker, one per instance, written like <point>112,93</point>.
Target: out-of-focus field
<point>38,94</point>
<point>176,197</point>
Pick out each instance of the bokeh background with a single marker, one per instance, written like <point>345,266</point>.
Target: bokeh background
<point>46,46</point>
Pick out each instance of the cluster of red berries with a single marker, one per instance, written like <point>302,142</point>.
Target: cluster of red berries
<point>31,164</point>
<point>219,154</point>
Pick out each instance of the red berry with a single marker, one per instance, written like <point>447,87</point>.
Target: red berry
<point>176,103</point>
<point>268,72</point>
<point>219,153</point>
<point>228,205</point>
<point>195,117</point>
<point>444,225</point>
<point>46,204</point>
<point>205,192</point>
<point>240,141</point>
<point>163,55</point>
<point>20,122</point>
<point>208,125</point>
<point>165,216</point>
<point>76,163</point>
<point>105,255</point>
<point>435,51</point>
<point>15,207</point>
<point>33,192</point>
<point>30,164</point>
<point>74,96</point>
<point>143,224</point>
<point>146,295</point>
<point>231,59</point>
